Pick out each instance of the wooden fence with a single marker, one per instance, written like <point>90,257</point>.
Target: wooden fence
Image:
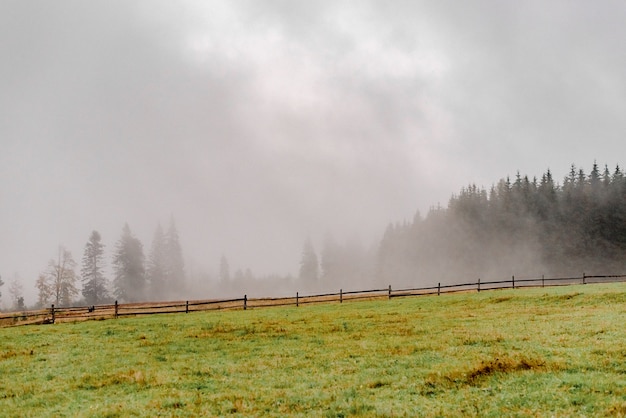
<point>100,312</point>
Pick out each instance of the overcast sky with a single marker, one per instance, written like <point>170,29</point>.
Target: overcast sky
<point>258,123</point>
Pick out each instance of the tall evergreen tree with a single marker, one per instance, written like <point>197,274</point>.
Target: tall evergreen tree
<point>175,266</point>
<point>329,258</point>
<point>309,265</point>
<point>156,271</point>
<point>95,289</point>
<point>128,264</point>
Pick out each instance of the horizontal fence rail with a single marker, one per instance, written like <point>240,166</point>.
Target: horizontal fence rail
<point>100,312</point>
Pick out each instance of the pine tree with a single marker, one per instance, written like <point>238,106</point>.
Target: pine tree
<point>329,258</point>
<point>175,266</point>
<point>94,283</point>
<point>606,177</point>
<point>128,263</point>
<point>309,265</point>
<point>157,270</point>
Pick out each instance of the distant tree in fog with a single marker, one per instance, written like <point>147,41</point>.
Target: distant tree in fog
<point>175,266</point>
<point>329,258</point>
<point>44,291</point>
<point>309,264</point>
<point>58,282</point>
<point>1,283</point>
<point>165,270</point>
<point>239,277</point>
<point>128,263</point>
<point>224,270</point>
<point>343,265</point>
<point>522,226</point>
<point>94,283</point>
<point>156,271</point>
<point>17,293</point>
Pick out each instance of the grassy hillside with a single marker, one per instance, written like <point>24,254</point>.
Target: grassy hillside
<point>553,351</point>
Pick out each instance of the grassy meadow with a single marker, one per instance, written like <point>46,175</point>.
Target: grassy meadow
<point>524,352</point>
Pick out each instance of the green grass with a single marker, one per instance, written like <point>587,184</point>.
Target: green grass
<point>523,352</point>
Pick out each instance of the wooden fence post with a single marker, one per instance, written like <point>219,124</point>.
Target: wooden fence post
<point>439,289</point>
<point>340,295</point>
<point>245,302</point>
<point>513,279</point>
<point>543,278</point>
<point>584,277</point>
<point>187,307</point>
<point>52,312</point>
<point>389,292</point>
<point>479,285</point>
<point>297,299</point>
<point>115,309</point>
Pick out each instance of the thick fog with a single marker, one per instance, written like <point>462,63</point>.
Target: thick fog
<point>257,125</point>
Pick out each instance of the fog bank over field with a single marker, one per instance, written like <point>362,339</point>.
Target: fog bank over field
<point>524,226</point>
<point>259,125</point>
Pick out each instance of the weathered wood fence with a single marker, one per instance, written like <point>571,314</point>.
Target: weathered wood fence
<point>100,312</point>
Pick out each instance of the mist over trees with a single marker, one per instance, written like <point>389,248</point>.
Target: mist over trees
<point>129,283</point>
<point>309,264</point>
<point>160,277</point>
<point>16,290</point>
<point>156,270</point>
<point>520,227</point>
<point>347,265</point>
<point>165,273</point>
<point>58,283</point>
<point>224,274</point>
<point>174,263</point>
<point>95,286</point>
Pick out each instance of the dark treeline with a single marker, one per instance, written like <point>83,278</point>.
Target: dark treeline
<point>520,227</point>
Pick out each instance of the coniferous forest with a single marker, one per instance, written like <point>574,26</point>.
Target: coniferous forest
<point>519,226</point>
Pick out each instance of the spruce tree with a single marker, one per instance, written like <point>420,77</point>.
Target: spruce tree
<point>330,255</point>
<point>175,266</point>
<point>309,265</point>
<point>128,264</point>
<point>94,283</point>
<point>156,270</point>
